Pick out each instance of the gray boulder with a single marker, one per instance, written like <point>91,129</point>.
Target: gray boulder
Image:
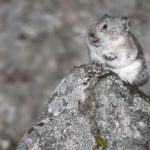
<point>92,109</point>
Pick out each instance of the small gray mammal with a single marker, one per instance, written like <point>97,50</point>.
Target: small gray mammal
<point>111,44</point>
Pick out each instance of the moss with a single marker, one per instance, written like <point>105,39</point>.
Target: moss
<point>41,124</point>
<point>68,124</point>
<point>105,76</point>
<point>85,83</point>
<point>100,142</point>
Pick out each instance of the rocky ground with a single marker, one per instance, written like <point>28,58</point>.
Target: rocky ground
<point>40,41</point>
<point>92,109</point>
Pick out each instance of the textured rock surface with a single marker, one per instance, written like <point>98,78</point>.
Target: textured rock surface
<point>92,109</point>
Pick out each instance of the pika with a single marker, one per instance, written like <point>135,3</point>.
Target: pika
<point>111,44</point>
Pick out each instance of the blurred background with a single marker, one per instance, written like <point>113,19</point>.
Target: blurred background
<point>40,41</point>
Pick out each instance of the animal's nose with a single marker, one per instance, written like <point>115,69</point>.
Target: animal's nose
<point>91,34</point>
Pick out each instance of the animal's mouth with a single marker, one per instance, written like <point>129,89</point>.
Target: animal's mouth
<point>94,40</point>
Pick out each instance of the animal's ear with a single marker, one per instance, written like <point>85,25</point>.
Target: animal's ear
<point>126,23</point>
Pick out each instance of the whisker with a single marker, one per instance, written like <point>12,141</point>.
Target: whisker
<point>81,32</point>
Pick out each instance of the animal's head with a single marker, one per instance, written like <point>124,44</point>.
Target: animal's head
<point>107,34</point>
<point>105,27</point>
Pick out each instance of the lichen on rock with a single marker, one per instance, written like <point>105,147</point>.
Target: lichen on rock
<point>92,109</point>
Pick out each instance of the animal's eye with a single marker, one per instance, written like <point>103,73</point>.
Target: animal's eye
<point>105,26</point>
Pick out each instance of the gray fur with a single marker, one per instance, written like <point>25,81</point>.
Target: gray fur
<point>117,49</point>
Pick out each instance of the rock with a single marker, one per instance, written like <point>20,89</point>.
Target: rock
<point>92,109</point>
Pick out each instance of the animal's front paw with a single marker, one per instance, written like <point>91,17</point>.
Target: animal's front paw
<point>109,57</point>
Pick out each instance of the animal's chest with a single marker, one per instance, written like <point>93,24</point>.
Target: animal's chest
<point>130,72</point>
